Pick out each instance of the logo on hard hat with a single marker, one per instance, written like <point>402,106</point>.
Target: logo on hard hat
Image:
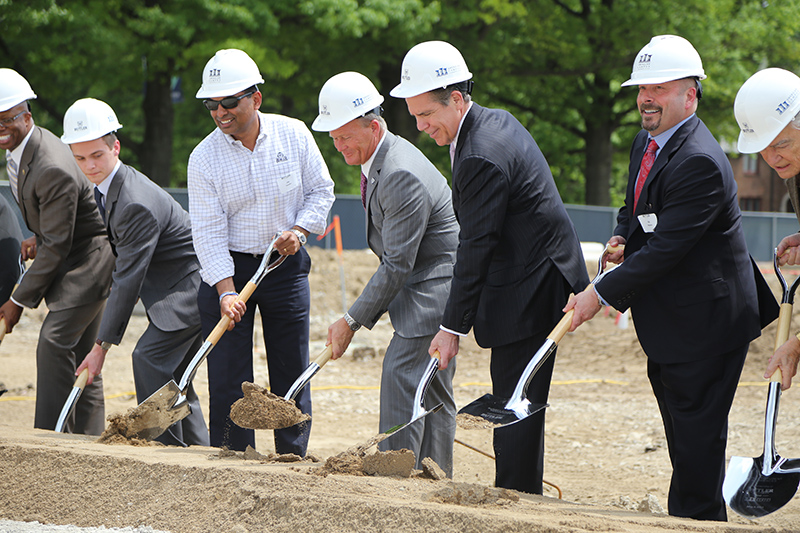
<point>786,104</point>
<point>324,110</point>
<point>405,75</point>
<point>214,75</point>
<point>745,127</point>
<point>79,126</point>
<point>644,62</point>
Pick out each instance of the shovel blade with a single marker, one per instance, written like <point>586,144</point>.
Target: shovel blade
<point>153,416</point>
<point>498,412</point>
<point>419,416</point>
<point>751,493</point>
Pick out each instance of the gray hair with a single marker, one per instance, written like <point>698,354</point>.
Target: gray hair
<point>796,121</point>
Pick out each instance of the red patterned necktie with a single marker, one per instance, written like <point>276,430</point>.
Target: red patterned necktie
<point>363,190</point>
<point>647,163</point>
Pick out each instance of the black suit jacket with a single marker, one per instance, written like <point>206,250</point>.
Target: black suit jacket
<point>518,255</point>
<point>690,284</point>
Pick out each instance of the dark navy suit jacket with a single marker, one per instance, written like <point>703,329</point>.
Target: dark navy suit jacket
<point>518,255</point>
<point>692,288</point>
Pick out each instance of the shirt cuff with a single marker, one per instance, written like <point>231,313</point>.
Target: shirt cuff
<point>600,298</point>
<point>450,331</point>
<point>16,302</point>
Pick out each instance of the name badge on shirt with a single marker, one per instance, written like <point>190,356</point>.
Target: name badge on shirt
<point>289,182</point>
<point>649,221</point>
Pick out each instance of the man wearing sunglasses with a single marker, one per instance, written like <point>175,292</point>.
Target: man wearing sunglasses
<point>254,176</point>
<point>72,260</point>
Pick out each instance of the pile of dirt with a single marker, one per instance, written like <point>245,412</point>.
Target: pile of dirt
<point>261,409</point>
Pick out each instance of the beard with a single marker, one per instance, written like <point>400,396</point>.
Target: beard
<point>649,122</point>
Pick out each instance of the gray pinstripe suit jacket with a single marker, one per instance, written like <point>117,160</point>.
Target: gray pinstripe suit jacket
<point>412,229</point>
<point>151,236</point>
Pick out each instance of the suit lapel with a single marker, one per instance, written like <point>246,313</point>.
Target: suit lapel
<point>675,142</point>
<point>472,117</point>
<point>113,191</point>
<point>372,183</point>
<point>24,168</point>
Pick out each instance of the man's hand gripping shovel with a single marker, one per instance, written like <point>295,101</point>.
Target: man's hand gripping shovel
<point>756,487</point>
<point>499,411</point>
<point>168,404</point>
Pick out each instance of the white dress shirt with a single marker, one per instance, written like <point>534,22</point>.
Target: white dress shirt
<point>239,199</point>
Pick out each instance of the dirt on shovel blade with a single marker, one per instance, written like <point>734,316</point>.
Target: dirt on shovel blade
<point>118,429</point>
<point>260,409</point>
<point>468,421</point>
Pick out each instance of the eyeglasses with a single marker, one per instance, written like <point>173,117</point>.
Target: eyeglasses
<point>227,103</point>
<point>7,122</point>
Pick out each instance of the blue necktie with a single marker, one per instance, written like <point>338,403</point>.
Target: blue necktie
<point>98,197</point>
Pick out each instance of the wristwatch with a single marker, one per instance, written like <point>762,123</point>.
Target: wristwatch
<point>103,344</point>
<point>300,236</point>
<point>354,326</point>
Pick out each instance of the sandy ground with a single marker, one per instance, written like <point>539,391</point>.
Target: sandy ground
<point>606,451</point>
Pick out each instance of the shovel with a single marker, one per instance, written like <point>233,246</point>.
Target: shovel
<point>756,487</point>
<point>308,373</point>
<point>168,404</point>
<point>72,399</point>
<point>419,410</point>
<point>500,411</point>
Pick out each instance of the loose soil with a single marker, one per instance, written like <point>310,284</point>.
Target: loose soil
<point>260,409</point>
<point>606,450</point>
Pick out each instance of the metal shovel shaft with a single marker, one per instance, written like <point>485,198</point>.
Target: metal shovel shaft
<point>72,399</point>
<point>309,373</point>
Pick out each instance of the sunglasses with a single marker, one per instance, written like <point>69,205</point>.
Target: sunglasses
<point>227,103</point>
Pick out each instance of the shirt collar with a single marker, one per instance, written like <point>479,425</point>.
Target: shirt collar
<point>368,165</point>
<point>104,185</point>
<point>460,124</point>
<point>16,153</point>
<point>663,138</point>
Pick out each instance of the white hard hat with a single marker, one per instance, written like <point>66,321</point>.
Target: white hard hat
<point>88,119</point>
<point>428,66</point>
<point>764,105</point>
<point>227,73</point>
<point>346,96</point>
<point>666,58</point>
<point>14,89</point>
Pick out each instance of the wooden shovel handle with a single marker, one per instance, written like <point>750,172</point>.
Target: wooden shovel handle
<point>83,377</point>
<point>324,356</point>
<point>2,328</point>
<point>222,325</point>
<point>782,335</point>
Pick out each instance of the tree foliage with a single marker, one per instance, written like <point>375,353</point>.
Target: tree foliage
<point>556,64</point>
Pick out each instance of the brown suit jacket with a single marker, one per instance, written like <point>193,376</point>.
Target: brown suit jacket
<point>74,262</point>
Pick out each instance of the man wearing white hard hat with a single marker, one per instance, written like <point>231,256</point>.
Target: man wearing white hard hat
<point>151,237</point>
<point>254,176</point>
<point>518,255</point>
<point>72,261</point>
<point>412,229</point>
<point>767,108</point>
<point>693,290</point>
